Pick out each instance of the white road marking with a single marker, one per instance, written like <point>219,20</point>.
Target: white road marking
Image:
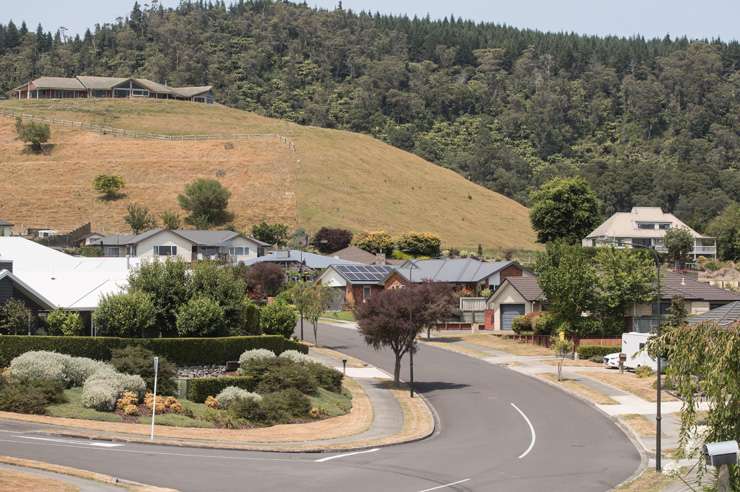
<point>446,485</point>
<point>531,429</point>
<point>68,441</point>
<point>329,458</point>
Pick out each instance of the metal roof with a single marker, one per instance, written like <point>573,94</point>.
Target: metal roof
<point>353,253</point>
<point>726,315</point>
<point>451,270</point>
<point>62,83</point>
<point>363,274</point>
<point>101,83</point>
<point>195,236</point>
<point>310,260</point>
<point>191,91</point>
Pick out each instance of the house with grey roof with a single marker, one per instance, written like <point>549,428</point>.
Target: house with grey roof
<point>517,296</point>
<point>86,86</point>
<point>462,273</point>
<point>187,245</point>
<point>726,315</point>
<point>645,227</point>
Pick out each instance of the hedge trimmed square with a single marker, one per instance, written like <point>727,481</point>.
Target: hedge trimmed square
<point>588,351</point>
<point>181,351</point>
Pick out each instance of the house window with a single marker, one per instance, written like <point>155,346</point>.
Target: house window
<point>366,292</point>
<point>238,251</point>
<point>664,226</point>
<point>643,225</point>
<point>165,250</point>
<point>112,251</point>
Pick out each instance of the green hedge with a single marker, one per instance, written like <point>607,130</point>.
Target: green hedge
<point>181,351</point>
<point>201,388</point>
<point>588,351</point>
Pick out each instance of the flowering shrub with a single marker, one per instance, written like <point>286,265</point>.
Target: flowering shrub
<point>164,403</point>
<point>78,369</point>
<point>39,365</point>
<point>102,390</point>
<point>126,399</point>
<point>231,394</point>
<point>212,402</point>
<point>295,356</point>
<point>131,410</point>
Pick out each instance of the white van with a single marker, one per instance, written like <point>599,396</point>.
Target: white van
<point>634,346</point>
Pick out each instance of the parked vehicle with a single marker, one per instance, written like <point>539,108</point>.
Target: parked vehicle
<point>633,345</point>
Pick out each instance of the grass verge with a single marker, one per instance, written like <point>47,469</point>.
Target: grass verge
<point>580,389</point>
<point>13,481</point>
<point>629,382</point>
<point>340,315</point>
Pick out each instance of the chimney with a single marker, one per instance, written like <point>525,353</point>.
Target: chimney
<point>6,265</point>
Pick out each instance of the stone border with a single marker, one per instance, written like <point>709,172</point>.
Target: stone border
<point>84,474</point>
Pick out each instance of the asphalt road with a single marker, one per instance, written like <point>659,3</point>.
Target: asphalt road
<point>499,431</point>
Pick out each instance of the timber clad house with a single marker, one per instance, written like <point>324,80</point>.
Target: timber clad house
<point>107,87</point>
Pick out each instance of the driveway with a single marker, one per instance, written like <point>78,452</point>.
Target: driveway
<point>499,430</point>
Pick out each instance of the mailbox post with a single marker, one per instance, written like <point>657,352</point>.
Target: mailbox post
<point>721,455</point>
<point>622,360</point>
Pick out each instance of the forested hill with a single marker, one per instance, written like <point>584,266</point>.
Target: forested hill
<point>648,122</point>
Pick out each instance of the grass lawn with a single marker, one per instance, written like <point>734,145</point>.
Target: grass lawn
<point>649,481</point>
<point>629,382</point>
<point>498,342</point>
<point>332,404</point>
<point>641,424</point>
<point>581,389</point>
<point>340,315</point>
<point>12,481</point>
<point>73,409</point>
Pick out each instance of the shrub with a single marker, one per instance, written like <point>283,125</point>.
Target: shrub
<point>33,133</point>
<point>249,409</point>
<point>375,242</point>
<point>328,378</point>
<point>249,318</point>
<point>135,359</point>
<point>284,405</point>
<point>30,396</point>
<point>231,394</point>
<point>109,185</point>
<point>328,240</point>
<point>211,402</point>
<point>126,399</point>
<point>131,410</point>
<point>597,358</point>
<point>419,244</point>
<point>78,369</point>
<point>588,351</point>
<point>278,318</point>
<point>102,390</point>
<point>644,372</point>
<point>126,315</point>
<point>67,323</point>
<point>295,356</point>
<point>199,389</point>
<point>181,351</point>
<point>39,366</point>
<point>544,324</point>
<point>521,324</point>
<point>265,279</point>
<point>200,316</point>
<point>255,355</point>
<point>285,376</point>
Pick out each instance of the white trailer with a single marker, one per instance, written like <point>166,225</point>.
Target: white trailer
<point>634,345</point>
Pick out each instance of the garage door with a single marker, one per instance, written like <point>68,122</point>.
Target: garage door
<point>508,313</point>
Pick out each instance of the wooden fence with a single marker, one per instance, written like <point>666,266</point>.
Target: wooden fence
<point>120,132</point>
<point>544,340</point>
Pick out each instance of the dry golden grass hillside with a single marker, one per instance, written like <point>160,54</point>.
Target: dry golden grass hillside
<point>332,178</point>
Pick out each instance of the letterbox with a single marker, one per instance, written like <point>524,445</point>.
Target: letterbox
<point>721,453</point>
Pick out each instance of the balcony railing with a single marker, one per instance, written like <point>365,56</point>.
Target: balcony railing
<point>704,250</point>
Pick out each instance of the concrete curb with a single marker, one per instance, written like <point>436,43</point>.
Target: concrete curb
<point>84,474</point>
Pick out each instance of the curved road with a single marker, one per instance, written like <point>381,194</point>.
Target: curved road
<point>499,431</point>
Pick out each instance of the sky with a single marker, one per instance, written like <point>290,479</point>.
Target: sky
<point>650,18</point>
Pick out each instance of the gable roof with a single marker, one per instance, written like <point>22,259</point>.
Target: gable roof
<point>310,260</point>
<point>363,274</point>
<point>63,83</point>
<point>726,315</point>
<point>195,236</point>
<point>451,270</point>
<point>191,91</point>
<point>353,253</point>
<point>676,284</point>
<point>101,83</point>
<point>527,286</point>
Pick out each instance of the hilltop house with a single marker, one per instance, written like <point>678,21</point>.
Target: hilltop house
<point>47,279</point>
<point>646,227</point>
<point>107,87</point>
<point>462,273</point>
<point>187,245</point>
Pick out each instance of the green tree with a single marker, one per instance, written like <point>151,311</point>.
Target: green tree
<point>563,347</point>
<point>167,284</point>
<point>15,317</point>
<point>139,218</point>
<point>624,277</point>
<point>300,295</point>
<point>375,242</point>
<point>67,323</point>
<point>568,278</point>
<point>221,284</point>
<point>171,220</point>
<point>275,234</point>
<point>34,133</point>
<point>679,242</point>
<point>206,201</point>
<point>131,314</point>
<point>201,316</point>
<point>135,359</point>
<point>420,244</point>
<point>278,318</point>
<point>564,209</point>
<point>704,365</point>
<point>726,228</point>
<point>108,185</point>
<point>249,322</point>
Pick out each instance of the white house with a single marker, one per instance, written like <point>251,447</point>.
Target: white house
<point>646,227</point>
<point>187,245</point>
